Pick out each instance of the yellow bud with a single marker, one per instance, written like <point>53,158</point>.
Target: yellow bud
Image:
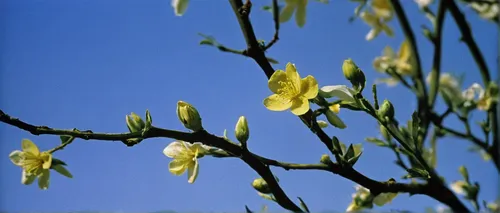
<point>386,110</point>
<point>134,122</point>
<point>260,185</point>
<point>350,69</point>
<point>335,108</point>
<point>189,116</point>
<point>241,130</point>
<point>325,159</point>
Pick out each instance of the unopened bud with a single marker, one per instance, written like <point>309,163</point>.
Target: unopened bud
<point>134,122</point>
<point>354,74</point>
<point>189,116</point>
<point>241,130</point>
<point>322,124</point>
<point>386,110</point>
<point>260,185</point>
<point>325,159</point>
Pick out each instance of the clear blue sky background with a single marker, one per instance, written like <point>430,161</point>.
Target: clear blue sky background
<point>86,64</point>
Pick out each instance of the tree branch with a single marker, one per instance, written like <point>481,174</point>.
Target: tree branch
<point>276,18</point>
<point>436,61</point>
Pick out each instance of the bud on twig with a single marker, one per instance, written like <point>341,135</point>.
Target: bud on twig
<point>260,185</point>
<point>241,130</point>
<point>386,110</point>
<point>189,116</point>
<point>325,159</point>
<point>354,74</point>
<point>134,122</point>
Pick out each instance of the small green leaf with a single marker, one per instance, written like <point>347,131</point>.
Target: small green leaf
<point>376,141</point>
<point>56,161</point>
<point>336,145</point>
<point>208,40</point>
<point>267,8</point>
<point>465,174</point>
<point>417,173</point>
<point>149,119</point>
<point>272,61</point>
<point>247,209</point>
<point>303,205</point>
<point>350,152</point>
<point>357,153</point>
<point>66,138</point>
<point>62,170</point>
<point>267,196</point>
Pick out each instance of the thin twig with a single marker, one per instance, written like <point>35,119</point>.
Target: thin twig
<point>276,18</point>
<point>436,61</point>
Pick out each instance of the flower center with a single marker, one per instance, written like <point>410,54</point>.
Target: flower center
<point>288,90</point>
<point>32,163</point>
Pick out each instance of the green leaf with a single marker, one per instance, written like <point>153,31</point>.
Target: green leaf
<point>62,170</point>
<point>149,119</point>
<point>336,145</point>
<point>267,8</point>
<point>56,162</point>
<point>272,60</point>
<point>208,40</point>
<point>247,209</point>
<point>417,173</point>
<point>376,141</point>
<point>67,138</point>
<point>357,153</point>
<point>303,205</point>
<point>465,174</point>
<point>350,152</point>
<point>266,196</point>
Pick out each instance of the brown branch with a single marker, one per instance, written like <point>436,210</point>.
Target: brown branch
<point>276,18</point>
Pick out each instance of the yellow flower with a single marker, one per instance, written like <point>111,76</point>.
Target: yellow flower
<point>377,25</point>
<point>297,6</point>
<point>33,162</point>
<point>363,199</point>
<point>290,91</point>
<point>185,156</point>
<point>382,9</point>
<point>400,62</point>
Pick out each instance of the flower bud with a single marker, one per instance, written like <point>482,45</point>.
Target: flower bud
<point>322,124</point>
<point>189,116</point>
<point>134,122</point>
<point>325,159</point>
<point>354,74</point>
<point>180,6</point>
<point>260,185</point>
<point>241,130</point>
<point>386,110</point>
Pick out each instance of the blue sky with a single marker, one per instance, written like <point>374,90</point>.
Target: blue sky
<point>86,64</point>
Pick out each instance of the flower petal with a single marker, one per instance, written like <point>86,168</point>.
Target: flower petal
<point>293,76</point>
<point>180,6</point>
<point>174,149</point>
<point>177,167</point>
<point>27,179</point>
<point>44,179</point>
<point>287,12</point>
<point>277,103</point>
<point>16,156</point>
<point>340,91</point>
<point>29,147</point>
<point>384,198</point>
<point>300,14</point>
<point>387,29</point>
<point>300,106</point>
<point>199,148</point>
<point>404,52</point>
<point>275,81</point>
<point>372,34</point>
<point>309,87</point>
<point>47,160</point>
<point>193,171</point>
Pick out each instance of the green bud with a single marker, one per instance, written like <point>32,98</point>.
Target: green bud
<point>260,185</point>
<point>325,159</point>
<point>354,74</point>
<point>134,122</point>
<point>465,174</point>
<point>189,116</point>
<point>241,130</point>
<point>322,124</point>
<point>386,110</point>
<point>385,133</point>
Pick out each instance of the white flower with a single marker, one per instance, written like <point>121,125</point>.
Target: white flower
<point>185,156</point>
<point>459,187</point>
<point>423,3</point>
<point>342,92</point>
